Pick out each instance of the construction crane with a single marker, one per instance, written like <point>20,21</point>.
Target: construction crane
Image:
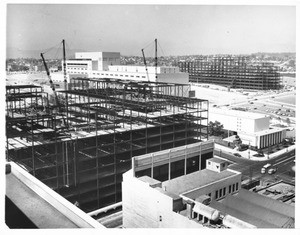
<point>64,66</point>
<point>57,103</point>
<point>145,64</point>
<point>155,60</point>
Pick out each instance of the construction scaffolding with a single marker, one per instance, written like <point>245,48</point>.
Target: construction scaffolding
<point>233,72</point>
<point>108,122</point>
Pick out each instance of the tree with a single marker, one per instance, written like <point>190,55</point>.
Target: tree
<point>215,128</point>
<point>237,142</point>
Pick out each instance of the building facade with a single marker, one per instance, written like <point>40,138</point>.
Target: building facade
<point>252,128</point>
<point>107,65</point>
<point>210,197</point>
<point>232,72</point>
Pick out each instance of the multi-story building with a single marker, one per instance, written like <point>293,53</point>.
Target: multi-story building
<point>232,72</point>
<point>85,62</point>
<point>252,128</point>
<point>82,147</point>
<point>107,65</point>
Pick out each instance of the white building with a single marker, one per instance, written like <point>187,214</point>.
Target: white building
<point>107,65</point>
<point>85,62</point>
<point>252,128</point>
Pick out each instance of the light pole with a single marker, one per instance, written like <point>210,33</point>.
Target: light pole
<point>249,150</point>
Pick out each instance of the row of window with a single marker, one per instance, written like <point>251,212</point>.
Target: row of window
<point>75,64</point>
<point>222,192</point>
<point>121,75</point>
<point>78,68</point>
<point>109,59</point>
<point>234,187</point>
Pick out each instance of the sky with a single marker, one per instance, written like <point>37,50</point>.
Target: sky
<point>180,29</point>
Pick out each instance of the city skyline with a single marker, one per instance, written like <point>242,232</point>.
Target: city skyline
<point>180,29</point>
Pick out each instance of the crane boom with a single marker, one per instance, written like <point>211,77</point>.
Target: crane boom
<point>57,103</point>
<point>145,64</point>
<point>49,77</point>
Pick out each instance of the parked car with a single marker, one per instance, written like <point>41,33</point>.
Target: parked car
<point>272,171</point>
<point>237,155</point>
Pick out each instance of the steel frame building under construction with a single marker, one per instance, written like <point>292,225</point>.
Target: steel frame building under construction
<point>81,146</point>
<point>233,72</point>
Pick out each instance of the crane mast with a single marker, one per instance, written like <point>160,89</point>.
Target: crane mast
<point>155,57</point>
<point>64,65</point>
<point>155,60</point>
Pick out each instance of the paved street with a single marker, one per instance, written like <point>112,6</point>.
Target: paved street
<point>252,168</point>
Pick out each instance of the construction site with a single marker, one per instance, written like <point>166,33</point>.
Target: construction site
<point>81,144</point>
<point>233,72</point>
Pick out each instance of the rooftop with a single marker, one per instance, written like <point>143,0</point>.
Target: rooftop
<point>240,114</point>
<point>217,160</point>
<point>195,180</point>
<point>256,209</point>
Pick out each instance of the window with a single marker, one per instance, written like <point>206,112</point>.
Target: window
<point>223,164</point>
<point>224,191</point>
<point>236,186</point>
<point>233,187</point>
<point>217,194</point>
<point>229,191</point>
<point>209,195</point>
<point>220,193</point>
<point>209,163</point>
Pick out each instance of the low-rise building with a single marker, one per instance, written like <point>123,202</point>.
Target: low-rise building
<point>107,65</point>
<point>211,197</point>
<point>252,128</point>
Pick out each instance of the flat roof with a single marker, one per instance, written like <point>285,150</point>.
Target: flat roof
<point>217,160</point>
<point>255,209</point>
<point>195,180</point>
<point>149,180</point>
<point>240,114</point>
<point>21,86</point>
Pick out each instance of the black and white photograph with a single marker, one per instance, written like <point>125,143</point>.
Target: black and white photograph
<point>150,114</point>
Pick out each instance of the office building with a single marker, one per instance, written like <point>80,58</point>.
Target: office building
<point>252,128</point>
<point>232,72</point>
<point>107,65</point>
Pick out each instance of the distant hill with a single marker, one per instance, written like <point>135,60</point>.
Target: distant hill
<point>276,54</point>
<point>55,53</point>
